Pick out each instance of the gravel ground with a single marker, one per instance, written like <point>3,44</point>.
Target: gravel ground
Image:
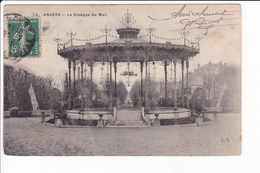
<point>26,136</point>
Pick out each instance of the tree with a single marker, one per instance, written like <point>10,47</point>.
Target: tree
<point>152,93</point>
<point>135,93</point>
<point>120,87</point>
<point>215,78</point>
<point>232,97</point>
<point>16,86</point>
<point>121,92</point>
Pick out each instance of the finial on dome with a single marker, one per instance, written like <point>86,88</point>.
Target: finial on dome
<point>128,20</point>
<point>127,30</point>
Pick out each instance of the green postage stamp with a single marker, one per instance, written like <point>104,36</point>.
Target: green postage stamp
<point>23,37</point>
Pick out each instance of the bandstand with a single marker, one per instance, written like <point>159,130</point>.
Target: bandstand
<point>129,48</point>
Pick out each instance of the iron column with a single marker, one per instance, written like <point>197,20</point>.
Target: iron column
<point>115,69</point>
<point>66,87</point>
<point>141,69</point>
<point>82,85</point>
<point>165,83</point>
<point>175,87</point>
<point>182,83</point>
<point>110,84</point>
<point>146,82</point>
<point>69,65</point>
<point>187,73</point>
<point>74,83</point>
<point>91,81</point>
<point>78,73</point>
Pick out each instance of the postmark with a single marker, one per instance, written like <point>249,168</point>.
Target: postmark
<point>23,37</point>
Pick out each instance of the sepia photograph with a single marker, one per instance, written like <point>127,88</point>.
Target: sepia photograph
<point>122,80</point>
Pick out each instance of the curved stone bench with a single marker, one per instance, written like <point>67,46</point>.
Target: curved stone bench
<point>100,116</point>
<point>156,115</point>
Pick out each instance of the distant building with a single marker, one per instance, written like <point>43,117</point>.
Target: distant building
<point>207,76</point>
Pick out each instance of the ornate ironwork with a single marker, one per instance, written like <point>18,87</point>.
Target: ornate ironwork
<point>171,69</point>
<point>129,73</point>
<point>106,31</point>
<point>71,35</point>
<point>150,30</point>
<point>128,20</point>
<point>184,35</point>
<point>154,69</point>
<point>57,39</point>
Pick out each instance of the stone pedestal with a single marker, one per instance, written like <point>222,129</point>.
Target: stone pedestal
<point>214,117</point>
<point>142,112</point>
<point>42,117</point>
<point>58,122</point>
<point>199,120</point>
<point>100,122</point>
<point>156,121</point>
<point>115,113</point>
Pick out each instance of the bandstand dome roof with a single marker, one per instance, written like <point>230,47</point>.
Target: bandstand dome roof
<point>128,48</point>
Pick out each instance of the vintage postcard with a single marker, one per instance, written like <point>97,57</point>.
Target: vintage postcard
<point>122,80</point>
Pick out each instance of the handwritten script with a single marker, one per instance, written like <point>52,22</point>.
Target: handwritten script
<point>203,19</point>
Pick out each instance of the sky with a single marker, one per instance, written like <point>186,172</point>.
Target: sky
<point>220,42</point>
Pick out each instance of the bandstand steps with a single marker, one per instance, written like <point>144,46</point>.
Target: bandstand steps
<point>128,118</point>
<point>127,124</point>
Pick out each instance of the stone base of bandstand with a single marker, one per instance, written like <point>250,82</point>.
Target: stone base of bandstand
<point>101,117</point>
<point>155,118</point>
<point>168,113</point>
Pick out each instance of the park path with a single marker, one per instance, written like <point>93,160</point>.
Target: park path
<point>27,136</point>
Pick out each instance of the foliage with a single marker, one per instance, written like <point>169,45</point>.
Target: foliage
<point>120,88</point>
<point>232,96</point>
<point>152,93</point>
<point>16,87</point>
<point>213,82</point>
<point>85,90</point>
<point>121,92</point>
